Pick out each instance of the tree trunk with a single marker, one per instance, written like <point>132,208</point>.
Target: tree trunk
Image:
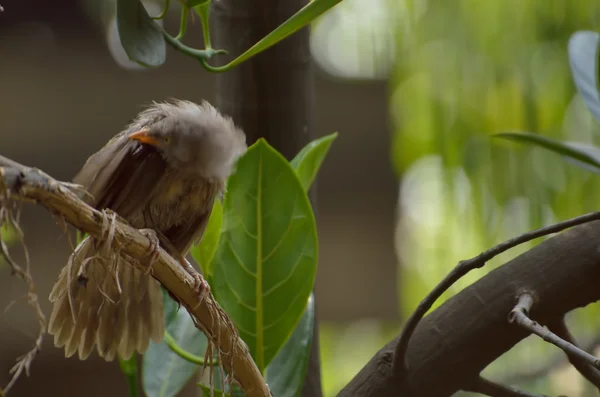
<point>270,96</point>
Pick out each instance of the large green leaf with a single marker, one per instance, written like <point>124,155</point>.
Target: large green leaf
<point>204,252</point>
<point>164,373</point>
<point>303,17</point>
<point>585,156</point>
<point>265,264</point>
<point>286,373</point>
<point>308,161</point>
<point>140,37</point>
<point>583,57</point>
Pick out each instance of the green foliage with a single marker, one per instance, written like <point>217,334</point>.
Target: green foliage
<point>204,252</point>
<point>144,41</point>
<point>164,371</point>
<point>285,375</point>
<point>7,233</point>
<point>266,260</point>
<point>464,71</point>
<point>308,161</point>
<point>139,34</point>
<point>303,17</point>
<point>586,156</point>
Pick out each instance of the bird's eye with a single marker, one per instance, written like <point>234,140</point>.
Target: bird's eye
<point>167,139</point>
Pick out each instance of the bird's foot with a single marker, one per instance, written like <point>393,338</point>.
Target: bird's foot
<point>200,285</point>
<point>153,248</point>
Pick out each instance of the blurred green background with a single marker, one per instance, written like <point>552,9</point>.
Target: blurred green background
<point>414,182</point>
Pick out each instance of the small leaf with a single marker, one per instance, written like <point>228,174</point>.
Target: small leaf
<point>140,37</point>
<point>204,252</point>
<point>303,17</point>
<point>265,264</point>
<point>583,58</point>
<point>164,373</point>
<point>308,161</point>
<point>585,156</point>
<point>286,373</point>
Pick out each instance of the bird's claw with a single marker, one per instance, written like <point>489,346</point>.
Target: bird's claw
<point>199,284</point>
<point>154,246</point>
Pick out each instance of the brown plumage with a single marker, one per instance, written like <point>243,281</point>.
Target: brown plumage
<point>163,172</point>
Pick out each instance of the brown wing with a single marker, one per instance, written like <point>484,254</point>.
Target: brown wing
<point>121,176</point>
<point>182,236</point>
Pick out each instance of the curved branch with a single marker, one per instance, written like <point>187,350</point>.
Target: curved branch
<point>588,372</point>
<point>454,343</point>
<point>18,182</point>
<point>464,267</point>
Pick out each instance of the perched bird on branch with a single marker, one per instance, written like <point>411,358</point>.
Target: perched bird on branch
<point>161,174</point>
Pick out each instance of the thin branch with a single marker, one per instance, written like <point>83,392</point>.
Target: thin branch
<point>587,371</point>
<point>459,339</point>
<point>550,365</point>
<point>520,316</point>
<point>175,348</point>
<point>23,362</point>
<point>28,184</point>
<point>464,267</point>
<point>492,389</point>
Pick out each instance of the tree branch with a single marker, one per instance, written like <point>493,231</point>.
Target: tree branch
<point>18,182</point>
<point>590,373</point>
<point>456,341</point>
<point>464,267</point>
<point>24,362</point>
<point>520,316</point>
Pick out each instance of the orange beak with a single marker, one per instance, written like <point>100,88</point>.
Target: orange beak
<point>143,137</point>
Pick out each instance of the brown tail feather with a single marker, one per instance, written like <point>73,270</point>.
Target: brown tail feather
<point>119,309</point>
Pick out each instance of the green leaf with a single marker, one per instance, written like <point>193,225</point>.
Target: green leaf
<point>164,373</point>
<point>308,161</point>
<point>583,155</point>
<point>303,17</point>
<point>583,58</point>
<point>286,373</point>
<point>265,264</point>
<point>204,252</point>
<point>140,37</point>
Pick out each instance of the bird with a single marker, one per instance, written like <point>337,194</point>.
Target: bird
<point>161,174</point>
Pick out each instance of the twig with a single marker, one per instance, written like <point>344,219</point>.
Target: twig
<point>175,348</point>
<point>520,316</point>
<point>24,361</point>
<point>400,364</point>
<point>28,184</point>
<point>587,371</point>
<point>550,365</point>
<point>489,388</point>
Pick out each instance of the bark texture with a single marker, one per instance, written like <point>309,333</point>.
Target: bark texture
<point>455,342</point>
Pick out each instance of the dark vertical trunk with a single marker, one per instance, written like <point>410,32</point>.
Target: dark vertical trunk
<point>272,95</point>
